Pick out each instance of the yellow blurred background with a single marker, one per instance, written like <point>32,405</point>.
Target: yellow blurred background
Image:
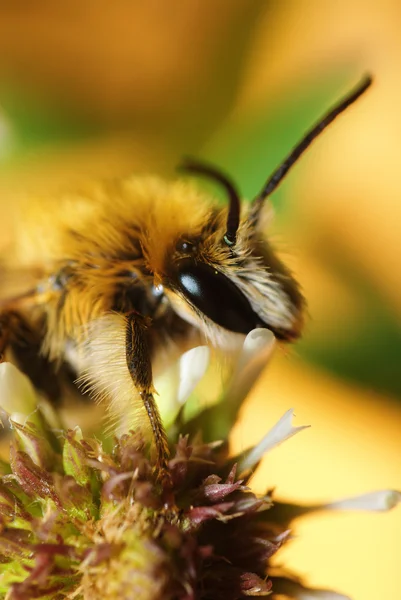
<point>93,89</point>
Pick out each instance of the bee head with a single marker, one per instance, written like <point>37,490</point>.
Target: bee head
<point>229,275</point>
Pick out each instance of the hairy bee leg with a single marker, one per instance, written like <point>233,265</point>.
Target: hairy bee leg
<point>140,369</point>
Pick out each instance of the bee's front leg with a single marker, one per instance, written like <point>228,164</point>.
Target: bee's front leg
<point>139,364</point>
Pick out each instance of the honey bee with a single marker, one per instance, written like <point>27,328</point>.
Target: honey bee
<point>117,277</point>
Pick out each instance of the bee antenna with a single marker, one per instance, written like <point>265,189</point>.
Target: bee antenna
<point>233,218</point>
<point>281,171</point>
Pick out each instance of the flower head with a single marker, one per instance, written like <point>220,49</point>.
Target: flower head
<point>86,521</point>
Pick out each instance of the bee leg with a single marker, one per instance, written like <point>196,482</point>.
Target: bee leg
<point>140,368</point>
<point>25,342</point>
<point>8,325</point>
<point>4,336</point>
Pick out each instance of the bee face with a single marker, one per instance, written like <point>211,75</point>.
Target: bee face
<point>230,280</point>
<point>215,296</point>
<point>236,289</point>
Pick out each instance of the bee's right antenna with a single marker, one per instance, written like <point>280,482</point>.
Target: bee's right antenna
<point>281,171</point>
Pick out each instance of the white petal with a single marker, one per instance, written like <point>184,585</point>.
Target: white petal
<point>255,342</point>
<point>255,354</point>
<point>282,431</point>
<point>193,365</point>
<point>176,383</point>
<point>375,501</point>
<point>16,391</point>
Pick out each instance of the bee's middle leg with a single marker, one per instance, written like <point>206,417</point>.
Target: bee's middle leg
<point>139,364</point>
<point>7,323</point>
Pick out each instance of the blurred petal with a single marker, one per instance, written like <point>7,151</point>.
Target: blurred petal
<point>380,501</point>
<point>282,431</point>
<point>216,421</point>
<point>256,341</point>
<point>175,384</point>
<point>17,395</point>
<point>192,365</point>
<point>255,354</point>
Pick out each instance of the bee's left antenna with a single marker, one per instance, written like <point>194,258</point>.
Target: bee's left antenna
<point>281,171</point>
<point>233,218</point>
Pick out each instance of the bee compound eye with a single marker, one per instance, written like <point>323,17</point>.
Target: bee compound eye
<point>215,296</point>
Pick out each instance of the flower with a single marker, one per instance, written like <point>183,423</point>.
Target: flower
<point>81,520</point>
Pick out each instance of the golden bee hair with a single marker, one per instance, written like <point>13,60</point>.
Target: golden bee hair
<point>124,275</point>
